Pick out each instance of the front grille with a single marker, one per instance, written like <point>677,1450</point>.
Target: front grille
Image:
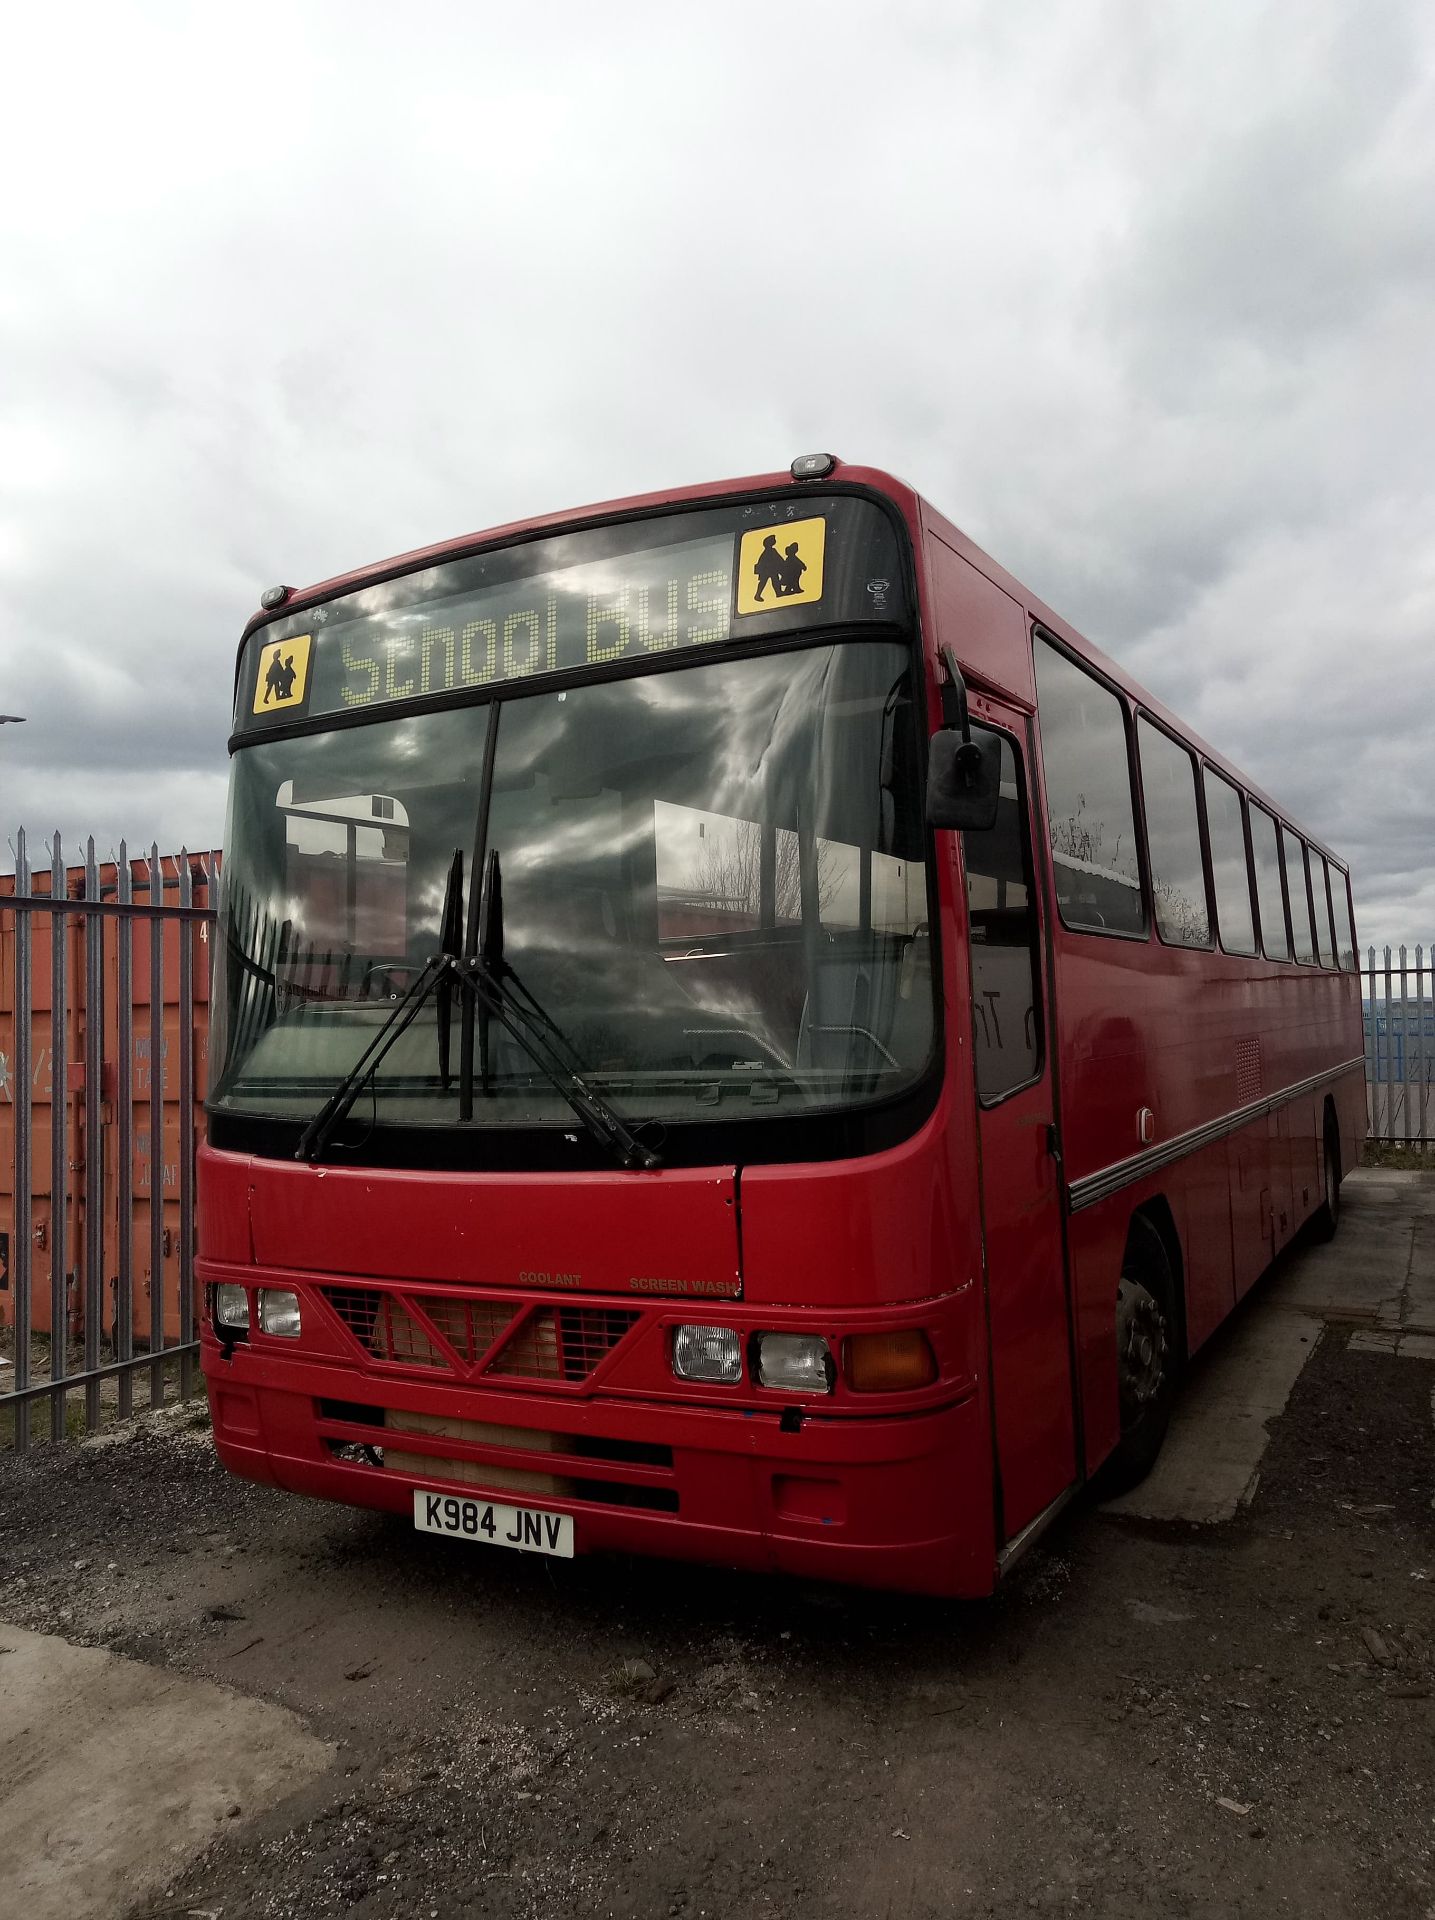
<point>563,1343</point>
<point>562,1346</point>
<point>383,1327</point>
<point>471,1327</point>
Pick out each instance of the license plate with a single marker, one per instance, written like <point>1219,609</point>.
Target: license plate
<point>528,1529</point>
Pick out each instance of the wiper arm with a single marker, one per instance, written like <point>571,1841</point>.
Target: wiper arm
<point>436,974</point>
<point>545,1046</point>
<point>540,1037</point>
<point>480,981</point>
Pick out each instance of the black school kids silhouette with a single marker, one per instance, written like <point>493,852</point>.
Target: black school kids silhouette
<point>279,680</point>
<point>781,571</point>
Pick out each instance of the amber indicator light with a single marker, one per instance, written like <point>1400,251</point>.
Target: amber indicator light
<point>889,1362</point>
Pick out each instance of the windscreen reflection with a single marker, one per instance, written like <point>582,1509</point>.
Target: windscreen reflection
<point>712,882</point>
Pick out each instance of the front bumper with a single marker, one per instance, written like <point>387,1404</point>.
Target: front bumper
<point>883,1500</point>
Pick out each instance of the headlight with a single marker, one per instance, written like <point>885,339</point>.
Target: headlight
<point>231,1307</point>
<point>707,1353</point>
<point>796,1362</point>
<point>279,1312</point>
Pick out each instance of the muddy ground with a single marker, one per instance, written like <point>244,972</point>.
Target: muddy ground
<point>1223,1721</point>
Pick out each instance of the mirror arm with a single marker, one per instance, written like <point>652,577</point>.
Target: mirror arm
<point>955,715</point>
<point>954,695</point>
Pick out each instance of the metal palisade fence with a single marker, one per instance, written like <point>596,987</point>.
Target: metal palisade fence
<point>104,989</point>
<point>1398,1003</point>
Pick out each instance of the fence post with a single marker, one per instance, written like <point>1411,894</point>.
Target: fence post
<point>1367,1024</point>
<point>1389,1057</point>
<point>124,1120</point>
<point>22,1110</point>
<point>59,1136</point>
<point>185,1042</point>
<point>1404,1048</point>
<point>156,1132</point>
<point>94,1138</point>
<point>1424,1051</point>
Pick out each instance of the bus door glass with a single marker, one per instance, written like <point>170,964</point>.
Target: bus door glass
<point>1027,1302</point>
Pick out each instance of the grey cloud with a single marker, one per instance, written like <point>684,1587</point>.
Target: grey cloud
<point>1143,300</point>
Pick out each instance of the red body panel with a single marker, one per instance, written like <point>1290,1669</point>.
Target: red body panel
<point>669,1232</point>
<point>976,1230</point>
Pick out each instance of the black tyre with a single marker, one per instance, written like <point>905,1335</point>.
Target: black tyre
<point>1326,1218</point>
<point>1148,1355</point>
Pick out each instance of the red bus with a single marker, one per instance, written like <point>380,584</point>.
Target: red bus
<point>739,1035</point>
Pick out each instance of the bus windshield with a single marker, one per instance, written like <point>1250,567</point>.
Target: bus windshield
<point>713,882</point>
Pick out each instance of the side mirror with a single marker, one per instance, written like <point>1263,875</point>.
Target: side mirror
<point>963,781</point>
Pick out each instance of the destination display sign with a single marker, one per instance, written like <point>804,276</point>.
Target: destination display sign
<point>499,618</point>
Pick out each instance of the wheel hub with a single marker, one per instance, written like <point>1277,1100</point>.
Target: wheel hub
<point>1142,1344</point>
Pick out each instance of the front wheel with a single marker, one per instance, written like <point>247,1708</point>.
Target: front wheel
<point>1147,1355</point>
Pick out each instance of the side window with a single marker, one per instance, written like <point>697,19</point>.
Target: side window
<point>1293,848</point>
<point>1229,867</point>
<point>1320,889</point>
<point>1275,942</point>
<point>1344,918</point>
<point>1173,839</point>
<point>1088,798</point>
<point>1001,915</point>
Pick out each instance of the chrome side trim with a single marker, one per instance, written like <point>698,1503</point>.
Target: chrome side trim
<point>1124,1173</point>
<point>1008,1555</point>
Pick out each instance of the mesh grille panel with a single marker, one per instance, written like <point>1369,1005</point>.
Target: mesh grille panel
<point>470,1326</point>
<point>563,1343</point>
<point>378,1322</point>
<point>1248,1071</point>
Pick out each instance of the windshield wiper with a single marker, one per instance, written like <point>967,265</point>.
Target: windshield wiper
<point>480,981</point>
<point>436,975</point>
<point>502,996</point>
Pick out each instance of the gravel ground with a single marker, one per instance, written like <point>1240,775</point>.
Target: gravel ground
<point>1226,1721</point>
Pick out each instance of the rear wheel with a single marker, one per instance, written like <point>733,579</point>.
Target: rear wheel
<point>1147,1354</point>
<point>1327,1217</point>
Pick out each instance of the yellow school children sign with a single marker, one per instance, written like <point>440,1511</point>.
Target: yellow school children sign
<point>282,674</point>
<point>780,566</point>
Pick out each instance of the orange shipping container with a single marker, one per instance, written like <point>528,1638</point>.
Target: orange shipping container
<point>58,1072</point>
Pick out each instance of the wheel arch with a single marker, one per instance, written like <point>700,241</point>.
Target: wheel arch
<point>1330,1130</point>
<point>1156,1215</point>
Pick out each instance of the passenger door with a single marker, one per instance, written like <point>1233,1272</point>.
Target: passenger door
<point>1027,1298</point>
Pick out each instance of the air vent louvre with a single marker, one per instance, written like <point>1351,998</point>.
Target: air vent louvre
<point>1249,1080</point>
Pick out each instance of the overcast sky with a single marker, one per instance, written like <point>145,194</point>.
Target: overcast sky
<point>1143,296</point>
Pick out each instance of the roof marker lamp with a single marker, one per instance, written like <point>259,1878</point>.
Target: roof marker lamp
<point>274,597</point>
<point>279,1313</point>
<point>231,1308</point>
<point>813,466</point>
<point>707,1353</point>
<point>794,1362</point>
